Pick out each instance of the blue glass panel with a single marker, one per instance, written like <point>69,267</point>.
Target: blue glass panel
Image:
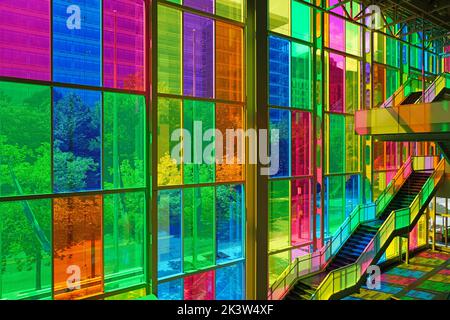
<point>76,140</point>
<point>230,222</point>
<point>279,72</point>
<point>230,282</point>
<point>352,186</point>
<point>280,120</point>
<point>169,233</point>
<point>172,290</point>
<point>77,46</point>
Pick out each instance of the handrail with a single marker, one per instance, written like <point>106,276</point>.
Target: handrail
<point>400,95</point>
<point>361,213</point>
<point>433,90</point>
<point>348,276</point>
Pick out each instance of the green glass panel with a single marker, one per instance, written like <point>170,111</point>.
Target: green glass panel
<point>169,50</point>
<point>280,16</point>
<point>124,238</point>
<point>392,52</point>
<point>25,137</point>
<point>279,214</point>
<point>199,152</point>
<point>231,9</point>
<point>301,21</point>
<point>124,141</point>
<point>335,203</point>
<point>380,47</point>
<point>353,151</point>
<point>301,76</point>
<point>336,144</point>
<point>353,38</point>
<point>392,81</point>
<point>352,85</point>
<point>277,264</point>
<point>25,249</point>
<point>199,229</point>
<point>169,121</point>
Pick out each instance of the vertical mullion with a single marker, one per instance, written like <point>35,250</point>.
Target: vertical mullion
<point>52,178</point>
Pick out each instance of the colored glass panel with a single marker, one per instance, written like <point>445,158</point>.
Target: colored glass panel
<point>229,223</point>
<point>169,233</point>
<point>123,44</point>
<point>353,146</point>
<point>77,251</point>
<point>336,83</point>
<point>198,57</point>
<point>198,228</point>
<point>230,282</point>
<point>229,120</point>
<point>301,21</point>
<point>199,286</point>
<point>25,155</point>
<point>25,252</point>
<point>336,28</point>
<point>77,48</point>
<point>336,143</point>
<point>280,16</point>
<point>352,191</point>
<point>280,140</point>
<point>76,140</point>
<point>169,51</point>
<point>352,85</point>
<point>334,202</point>
<point>199,152</point>
<point>124,141</point>
<point>169,122</point>
<point>279,72</point>
<point>301,212</point>
<point>301,76</point>
<point>231,9</point>
<point>279,214</point>
<point>229,62</point>
<point>277,264</point>
<point>172,290</point>
<point>301,143</point>
<point>202,5</point>
<point>123,240</point>
<point>25,39</point>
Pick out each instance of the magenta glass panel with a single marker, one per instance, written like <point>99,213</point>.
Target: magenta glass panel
<point>123,45</point>
<point>336,34</point>
<point>391,155</point>
<point>301,147</point>
<point>25,39</point>
<point>199,286</point>
<point>447,60</point>
<point>203,5</point>
<point>301,212</point>
<point>198,56</point>
<point>337,82</point>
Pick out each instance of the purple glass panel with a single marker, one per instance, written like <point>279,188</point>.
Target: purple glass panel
<point>203,5</point>
<point>124,44</point>
<point>25,39</point>
<point>337,81</point>
<point>198,56</point>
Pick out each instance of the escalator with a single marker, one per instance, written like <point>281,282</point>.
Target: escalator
<point>359,240</point>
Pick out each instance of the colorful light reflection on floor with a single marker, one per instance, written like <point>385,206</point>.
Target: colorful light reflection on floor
<point>427,277</point>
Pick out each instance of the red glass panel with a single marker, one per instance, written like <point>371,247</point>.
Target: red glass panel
<point>199,286</point>
<point>301,143</point>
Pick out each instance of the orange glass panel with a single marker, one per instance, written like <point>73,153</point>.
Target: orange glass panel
<point>229,62</point>
<point>77,247</point>
<point>229,119</point>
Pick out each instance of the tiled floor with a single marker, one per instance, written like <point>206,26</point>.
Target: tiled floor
<point>427,277</point>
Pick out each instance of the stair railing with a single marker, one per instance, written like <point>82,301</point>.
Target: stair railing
<point>317,261</point>
<point>348,276</point>
<point>433,90</point>
<point>401,93</point>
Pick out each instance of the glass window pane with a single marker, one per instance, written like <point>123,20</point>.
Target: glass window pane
<point>301,21</point>
<point>199,286</point>
<point>301,76</point>
<point>124,239</point>
<point>229,62</point>
<point>169,122</point>
<point>336,83</point>
<point>353,146</point>
<point>301,143</point>
<point>198,57</point>
<point>124,141</point>
<point>277,264</point>
<point>334,202</point>
<point>230,123</point>
<point>301,217</point>
<point>336,34</point>
<point>25,155</point>
<point>77,252</point>
<point>279,72</point>
<point>280,140</point>
<point>352,85</point>
<point>279,213</point>
<point>230,222</point>
<point>336,143</point>
<point>280,16</point>
<point>203,5</point>
<point>230,284</point>
<point>352,187</point>
<point>123,43</point>
<point>25,39</point>
<point>199,153</point>
<point>77,50</point>
<point>169,233</point>
<point>76,140</point>
<point>172,290</point>
<point>231,9</point>
<point>198,228</point>
<point>26,244</point>
<point>169,50</point>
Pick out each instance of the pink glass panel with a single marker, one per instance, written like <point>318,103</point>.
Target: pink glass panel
<point>447,60</point>
<point>124,53</point>
<point>337,28</point>
<point>25,39</point>
<point>301,212</point>
<point>301,147</point>
<point>337,82</point>
<point>199,286</point>
<point>391,155</point>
